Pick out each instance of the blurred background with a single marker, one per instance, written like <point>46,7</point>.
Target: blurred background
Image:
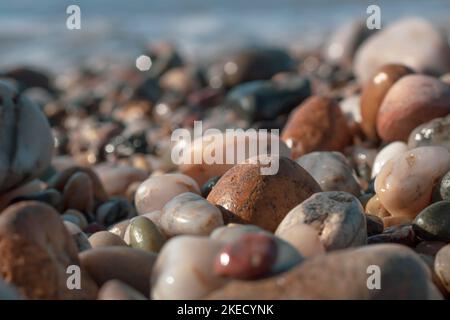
<point>34,32</point>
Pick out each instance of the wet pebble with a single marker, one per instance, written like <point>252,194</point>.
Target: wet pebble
<point>250,257</point>
<point>156,191</point>
<point>263,200</point>
<point>189,213</point>
<point>404,184</point>
<point>105,239</point>
<point>388,152</point>
<point>145,235</point>
<point>444,188</point>
<point>433,222</point>
<point>337,216</point>
<point>402,234</point>
<point>331,170</point>
<point>433,133</point>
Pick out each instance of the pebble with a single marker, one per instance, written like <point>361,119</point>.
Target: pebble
<point>403,276</point>
<point>27,142</point>
<point>156,191</point>
<point>350,107</point>
<point>413,41</point>
<point>189,213</point>
<point>413,100</point>
<point>247,65</point>
<point>331,170</point>
<point>114,210</point>
<point>7,292</point>
<point>442,266</point>
<point>34,186</point>
<point>340,48</point>
<point>76,217</point>
<point>201,148</point>
<point>444,188</point>
<point>105,239</point>
<point>117,290</point>
<point>49,196</point>
<point>208,185</point>
<point>374,225</point>
<point>32,234</point>
<point>266,100</point>
<point>337,216</point>
<point>145,235</point>
<point>250,257</point>
<point>182,272</point>
<point>433,222</point>
<point>429,248</point>
<point>388,152</point>
<point>304,238</point>
<point>263,200</point>
<point>119,228</point>
<point>374,92</point>
<point>78,193</point>
<point>316,125</point>
<point>433,133</point>
<point>117,178</point>
<point>402,234</point>
<point>404,184</point>
<point>80,238</point>
<point>129,265</point>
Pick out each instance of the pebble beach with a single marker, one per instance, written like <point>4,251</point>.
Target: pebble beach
<point>94,207</point>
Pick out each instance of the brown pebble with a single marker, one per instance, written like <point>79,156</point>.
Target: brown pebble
<point>105,239</point>
<point>316,125</point>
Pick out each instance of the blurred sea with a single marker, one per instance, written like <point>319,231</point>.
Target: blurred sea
<point>34,32</point>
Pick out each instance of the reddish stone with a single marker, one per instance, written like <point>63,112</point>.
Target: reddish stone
<point>249,257</point>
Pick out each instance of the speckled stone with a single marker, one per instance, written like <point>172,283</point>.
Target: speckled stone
<point>331,170</point>
<point>433,222</point>
<point>444,189</point>
<point>263,200</point>
<point>337,216</point>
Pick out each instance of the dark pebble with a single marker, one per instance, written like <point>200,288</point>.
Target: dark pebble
<point>433,222</point>
<point>374,225</point>
<point>207,187</point>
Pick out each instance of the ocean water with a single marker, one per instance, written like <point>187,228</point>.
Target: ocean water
<point>33,32</point>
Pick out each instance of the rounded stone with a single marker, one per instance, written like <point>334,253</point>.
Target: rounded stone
<point>50,196</point>
<point>78,193</point>
<point>80,238</point>
<point>117,290</point>
<point>433,133</point>
<point>203,148</point>
<point>208,185</point>
<point>129,265</point>
<point>444,189</point>
<point>263,200</point>
<point>433,222</point>
<point>156,191</point>
<point>114,210</point>
<point>250,257</point>
<point>374,92</point>
<point>25,138</point>
<point>182,271</point>
<point>412,101</point>
<point>119,228</point>
<point>442,266</point>
<point>331,170</point>
<point>304,238</point>
<point>32,236</point>
<point>189,213</point>
<point>337,216</point>
<point>318,124</point>
<point>413,41</point>
<point>145,235</point>
<point>405,183</point>
<point>117,178</point>
<point>105,239</point>
<point>343,275</point>
<point>374,225</point>
<point>388,152</point>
